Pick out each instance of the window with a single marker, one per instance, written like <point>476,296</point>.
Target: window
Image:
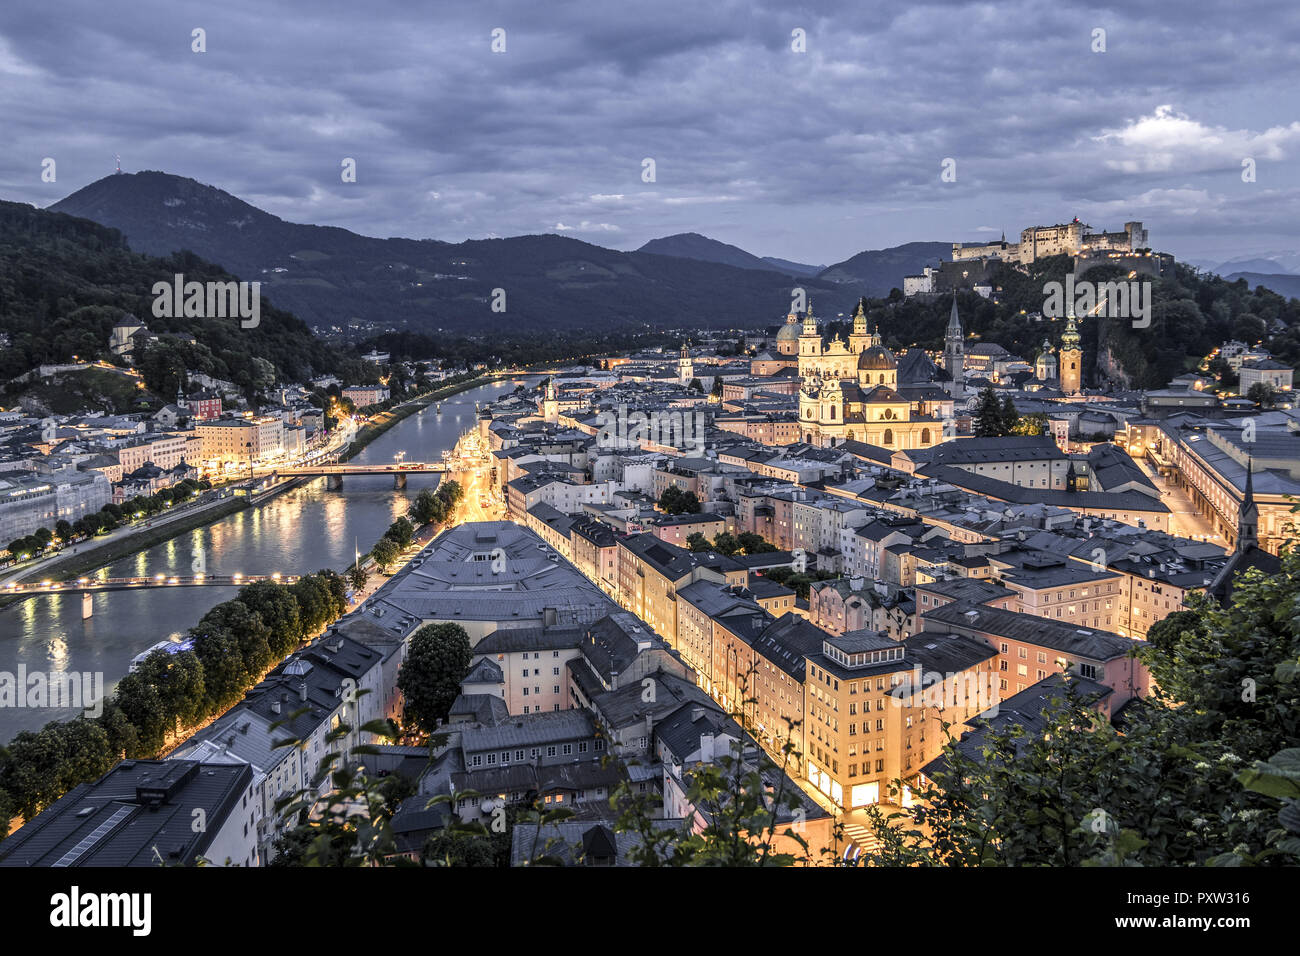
<point>550,751</point>
<point>568,749</point>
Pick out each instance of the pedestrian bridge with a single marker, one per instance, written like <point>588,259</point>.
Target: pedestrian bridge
<point>83,585</point>
<point>336,473</point>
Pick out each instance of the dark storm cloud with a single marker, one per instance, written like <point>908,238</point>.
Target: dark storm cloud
<point>812,156</point>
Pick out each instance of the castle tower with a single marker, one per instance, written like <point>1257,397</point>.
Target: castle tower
<point>954,353</point>
<point>1071,360</point>
<point>685,367</point>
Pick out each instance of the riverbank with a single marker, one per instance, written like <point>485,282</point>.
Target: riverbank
<point>386,420</point>
<point>143,538</point>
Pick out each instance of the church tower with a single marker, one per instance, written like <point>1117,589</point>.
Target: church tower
<point>550,403</point>
<point>1045,365</point>
<point>1248,519</point>
<point>685,367</point>
<point>954,353</point>
<point>1071,361</point>
<point>859,340</point>
<point>810,345</point>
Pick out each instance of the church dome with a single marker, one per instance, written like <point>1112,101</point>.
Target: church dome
<point>877,359</point>
<point>789,332</point>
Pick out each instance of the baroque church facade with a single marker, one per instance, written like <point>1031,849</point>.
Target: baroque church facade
<point>857,390</point>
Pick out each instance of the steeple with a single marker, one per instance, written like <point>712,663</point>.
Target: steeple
<point>1070,338</point>
<point>860,320</point>
<point>954,353</point>
<point>954,323</point>
<point>809,322</point>
<point>1248,519</point>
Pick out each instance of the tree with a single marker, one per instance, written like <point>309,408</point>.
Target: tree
<point>1262,394</point>
<point>1009,418</point>
<point>356,576</point>
<point>675,501</point>
<point>426,508</point>
<point>401,532</point>
<point>988,414</point>
<point>315,603</point>
<point>275,605</point>
<point>460,848</point>
<point>385,552</point>
<point>249,630</point>
<point>63,531</point>
<point>1170,790</point>
<point>225,676</point>
<point>752,543</point>
<point>697,542</point>
<point>1033,424</point>
<point>696,385</point>
<point>430,678</point>
<point>725,543</point>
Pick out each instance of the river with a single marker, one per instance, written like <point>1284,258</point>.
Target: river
<point>297,532</point>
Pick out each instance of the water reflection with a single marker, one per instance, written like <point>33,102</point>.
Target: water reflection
<point>297,532</point>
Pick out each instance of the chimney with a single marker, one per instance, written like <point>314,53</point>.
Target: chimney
<point>275,706</point>
<point>706,747</point>
<point>302,692</point>
<point>548,617</point>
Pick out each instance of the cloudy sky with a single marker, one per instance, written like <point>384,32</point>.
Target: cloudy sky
<point>811,155</point>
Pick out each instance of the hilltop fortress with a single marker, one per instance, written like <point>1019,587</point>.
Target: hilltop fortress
<point>1073,238</point>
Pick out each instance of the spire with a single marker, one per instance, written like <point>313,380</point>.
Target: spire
<point>1248,519</point>
<point>1070,337</point>
<point>954,323</point>
<point>809,321</point>
<point>860,320</point>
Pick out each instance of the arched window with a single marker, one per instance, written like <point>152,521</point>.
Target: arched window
<point>889,436</point>
<point>832,413</point>
<point>849,436</point>
<point>925,436</point>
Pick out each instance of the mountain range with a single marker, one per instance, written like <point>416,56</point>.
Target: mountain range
<point>335,279</point>
<point>691,245</point>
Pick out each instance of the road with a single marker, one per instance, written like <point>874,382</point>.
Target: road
<point>1184,520</point>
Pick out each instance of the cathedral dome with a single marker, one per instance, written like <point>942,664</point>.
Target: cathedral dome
<point>877,359</point>
<point>789,332</point>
